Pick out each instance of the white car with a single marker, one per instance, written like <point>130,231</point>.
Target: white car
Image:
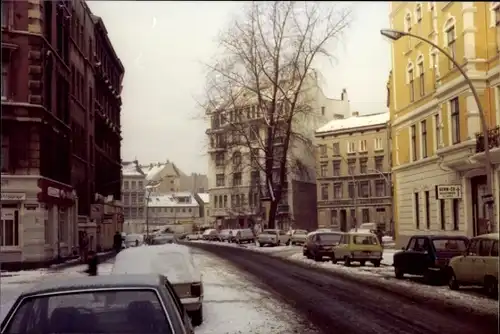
<point>273,237</point>
<point>173,261</point>
<point>194,236</point>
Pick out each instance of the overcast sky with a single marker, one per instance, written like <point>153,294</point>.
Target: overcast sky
<point>162,46</point>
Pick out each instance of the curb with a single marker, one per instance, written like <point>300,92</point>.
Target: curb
<point>405,292</point>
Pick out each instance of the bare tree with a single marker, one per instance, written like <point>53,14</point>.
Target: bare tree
<point>257,86</point>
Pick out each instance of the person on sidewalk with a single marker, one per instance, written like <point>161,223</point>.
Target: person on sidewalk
<point>93,263</point>
<point>117,242</point>
<point>84,247</point>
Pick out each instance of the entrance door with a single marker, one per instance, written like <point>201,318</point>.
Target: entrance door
<point>9,226</point>
<point>479,208</point>
<point>343,220</point>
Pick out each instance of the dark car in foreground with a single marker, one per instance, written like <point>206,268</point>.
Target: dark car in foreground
<point>429,256</point>
<point>134,304</point>
<point>320,244</point>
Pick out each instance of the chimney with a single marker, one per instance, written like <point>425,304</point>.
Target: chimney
<point>355,114</point>
<point>343,96</point>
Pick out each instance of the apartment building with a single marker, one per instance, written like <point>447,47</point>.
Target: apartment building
<point>438,149</point>
<point>133,192</point>
<point>235,180</point>
<point>171,178</point>
<point>178,211</point>
<point>353,172</point>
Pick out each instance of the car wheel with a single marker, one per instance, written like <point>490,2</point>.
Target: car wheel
<point>452,281</point>
<point>430,277</point>
<point>333,259</point>
<point>491,286</point>
<point>197,317</point>
<point>347,261</point>
<point>304,252</point>
<point>261,244</point>
<point>376,263</point>
<point>362,263</point>
<point>398,272</point>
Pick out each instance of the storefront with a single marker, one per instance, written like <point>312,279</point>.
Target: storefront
<point>109,219</point>
<point>38,221</point>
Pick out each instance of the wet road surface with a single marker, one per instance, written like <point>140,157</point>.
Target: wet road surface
<point>337,305</point>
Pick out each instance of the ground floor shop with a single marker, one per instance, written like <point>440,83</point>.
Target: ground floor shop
<point>38,221</point>
<point>445,197</point>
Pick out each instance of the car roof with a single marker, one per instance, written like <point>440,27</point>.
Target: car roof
<point>95,282</point>
<point>325,232</point>
<point>434,236</point>
<point>493,236</point>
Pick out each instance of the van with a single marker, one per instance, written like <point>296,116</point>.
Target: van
<point>244,236</point>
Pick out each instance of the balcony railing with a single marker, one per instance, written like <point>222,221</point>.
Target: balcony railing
<point>493,139</point>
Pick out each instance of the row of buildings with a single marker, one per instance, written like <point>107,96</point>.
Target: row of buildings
<point>438,160</point>
<point>164,196</point>
<point>61,131</point>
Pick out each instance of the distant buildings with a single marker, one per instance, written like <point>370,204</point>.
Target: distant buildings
<point>178,211</point>
<point>353,180</point>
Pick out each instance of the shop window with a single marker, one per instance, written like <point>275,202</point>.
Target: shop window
<point>63,227</point>
<point>9,227</point>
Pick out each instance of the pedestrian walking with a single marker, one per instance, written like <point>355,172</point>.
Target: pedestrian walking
<point>84,247</point>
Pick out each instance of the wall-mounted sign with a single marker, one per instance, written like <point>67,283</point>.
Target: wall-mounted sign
<point>449,191</point>
<point>13,197</point>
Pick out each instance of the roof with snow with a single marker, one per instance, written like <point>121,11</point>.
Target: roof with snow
<point>131,168</point>
<point>179,199</point>
<point>354,122</point>
<point>155,171</point>
<point>205,197</point>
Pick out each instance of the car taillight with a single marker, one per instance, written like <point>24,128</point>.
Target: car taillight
<point>196,289</point>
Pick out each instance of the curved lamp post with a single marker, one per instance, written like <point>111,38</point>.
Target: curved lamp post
<point>395,35</point>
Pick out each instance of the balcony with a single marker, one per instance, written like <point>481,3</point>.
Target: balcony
<point>493,140</point>
<point>217,147</point>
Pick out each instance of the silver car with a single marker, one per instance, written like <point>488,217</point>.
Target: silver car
<point>298,237</point>
<point>173,261</point>
<point>272,237</point>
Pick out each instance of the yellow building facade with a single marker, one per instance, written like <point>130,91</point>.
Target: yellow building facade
<point>438,172</point>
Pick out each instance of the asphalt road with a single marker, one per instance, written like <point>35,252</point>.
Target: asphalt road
<point>336,305</point>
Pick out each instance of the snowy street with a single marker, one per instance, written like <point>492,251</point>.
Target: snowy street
<point>233,303</point>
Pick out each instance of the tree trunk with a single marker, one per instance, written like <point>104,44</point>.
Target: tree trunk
<point>271,222</point>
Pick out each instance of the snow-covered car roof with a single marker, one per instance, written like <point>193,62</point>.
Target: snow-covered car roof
<point>150,280</point>
<point>171,260</point>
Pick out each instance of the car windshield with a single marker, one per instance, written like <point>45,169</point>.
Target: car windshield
<point>117,311</point>
<point>364,240</point>
<point>269,232</point>
<point>300,232</point>
<point>329,238</point>
<point>449,245</point>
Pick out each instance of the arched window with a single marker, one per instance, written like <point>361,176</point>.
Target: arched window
<point>434,66</point>
<point>237,159</point>
<point>421,74</point>
<point>450,35</point>
<point>410,78</point>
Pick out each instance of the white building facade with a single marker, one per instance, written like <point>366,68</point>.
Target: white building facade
<point>178,211</point>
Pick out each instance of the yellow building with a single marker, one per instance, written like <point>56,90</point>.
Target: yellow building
<point>438,162</point>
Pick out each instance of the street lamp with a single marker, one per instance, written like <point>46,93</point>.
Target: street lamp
<point>395,35</point>
<point>149,189</point>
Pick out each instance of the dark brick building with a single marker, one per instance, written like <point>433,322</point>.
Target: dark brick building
<point>49,154</point>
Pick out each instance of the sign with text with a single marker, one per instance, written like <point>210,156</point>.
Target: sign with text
<point>13,197</point>
<point>449,191</point>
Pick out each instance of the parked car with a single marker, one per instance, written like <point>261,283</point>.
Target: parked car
<point>103,304</point>
<point>273,237</point>
<point>244,236</point>
<point>210,235</point>
<point>477,266</point>
<point>428,256</point>
<point>225,235</point>
<point>318,245</point>
<point>297,237</point>
<point>359,247</point>
<point>175,262</point>
<point>163,239</point>
<point>193,236</point>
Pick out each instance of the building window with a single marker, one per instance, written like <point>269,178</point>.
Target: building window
<point>421,77</point>
<point>380,188</point>
<point>412,85</point>
<point>323,111</point>
<point>408,28</point>
<point>413,134</point>
<point>456,214</point>
<point>322,150</point>
<point>442,214</point>
<point>451,43</point>
<point>423,130</point>
<point>219,180</point>
<point>336,168</point>
<point>219,159</point>
<point>351,190</point>
<point>336,149</point>
<point>351,166</point>
<point>365,214</point>
<point>362,145</point>
<point>364,189</point>
<point>9,227</point>
<point>416,203</point>
<point>125,185</point>
<point>324,192</point>
<point>237,179</point>
<point>379,164</point>
<point>363,166</point>
<point>337,190</point>
<point>351,147</point>
<point>437,123</point>
<point>378,144</point>
<point>434,66</point>
<point>427,210</point>
<point>323,170</point>
<point>455,120</point>
<point>140,184</point>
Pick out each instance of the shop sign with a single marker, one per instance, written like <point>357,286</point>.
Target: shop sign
<point>449,191</point>
<point>55,193</point>
<point>13,197</point>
